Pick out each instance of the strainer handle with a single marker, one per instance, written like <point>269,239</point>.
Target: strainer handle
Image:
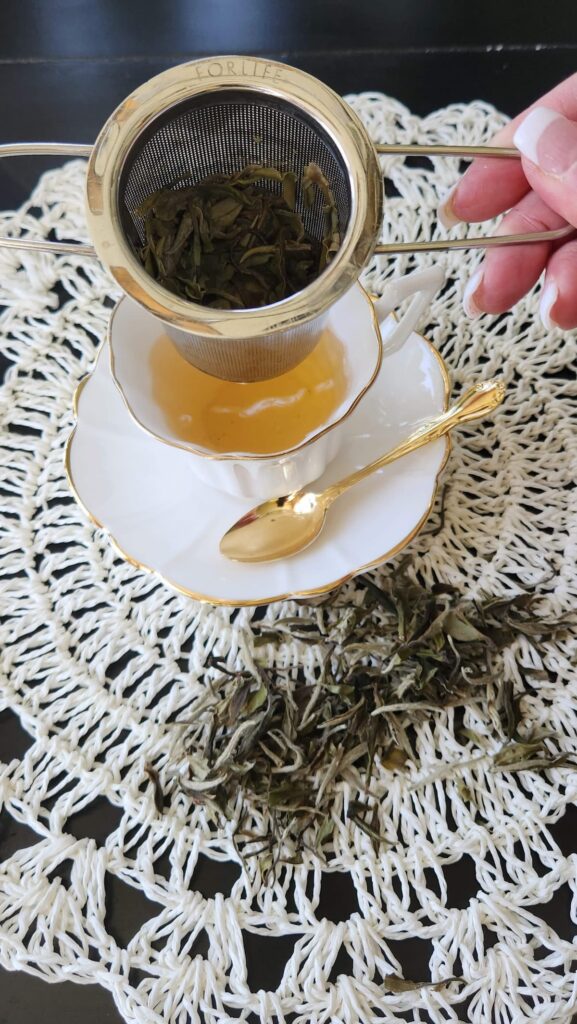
<point>46,149</point>
<point>446,244</point>
<point>466,152</point>
<point>423,284</point>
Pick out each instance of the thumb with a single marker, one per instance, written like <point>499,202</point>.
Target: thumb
<point>548,143</point>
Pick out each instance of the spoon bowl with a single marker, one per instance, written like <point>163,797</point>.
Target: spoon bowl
<point>280,530</point>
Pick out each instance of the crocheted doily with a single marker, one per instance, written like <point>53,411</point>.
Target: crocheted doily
<point>98,655</point>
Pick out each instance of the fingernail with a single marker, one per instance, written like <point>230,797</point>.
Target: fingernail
<point>445,211</point>
<point>470,306</point>
<point>548,139</point>
<point>549,297</point>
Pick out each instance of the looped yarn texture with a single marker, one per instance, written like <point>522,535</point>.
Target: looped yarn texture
<point>98,656</point>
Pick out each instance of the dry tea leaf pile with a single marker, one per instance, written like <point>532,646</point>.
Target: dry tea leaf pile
<point>270,739</point>
<point>230,243</point>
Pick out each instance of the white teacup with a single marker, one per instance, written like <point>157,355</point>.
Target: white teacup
<point>354,323</point>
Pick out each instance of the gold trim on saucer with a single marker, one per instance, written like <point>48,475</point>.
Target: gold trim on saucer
<point>299,594</point>
<point>251,456</point>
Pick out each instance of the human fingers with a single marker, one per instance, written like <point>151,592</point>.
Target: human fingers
<point>548,142</point>
<point>508,273</point>
<point>558,306</point>
<point>490,186</point>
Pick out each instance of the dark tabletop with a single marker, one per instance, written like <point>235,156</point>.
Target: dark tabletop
<point>65,65</point>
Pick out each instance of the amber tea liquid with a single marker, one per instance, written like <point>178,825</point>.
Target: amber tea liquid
<point>261,418</point>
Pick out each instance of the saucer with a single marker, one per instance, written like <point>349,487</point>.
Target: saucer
<point>165,520</point>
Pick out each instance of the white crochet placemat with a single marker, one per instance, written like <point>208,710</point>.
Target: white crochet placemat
<point>97,655</point>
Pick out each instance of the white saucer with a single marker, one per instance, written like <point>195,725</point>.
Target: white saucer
<point>163,519</point>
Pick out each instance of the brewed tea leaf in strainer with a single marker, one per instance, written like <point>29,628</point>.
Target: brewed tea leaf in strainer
<point>238,241</point>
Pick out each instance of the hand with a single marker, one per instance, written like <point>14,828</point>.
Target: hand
<point>540,192</point>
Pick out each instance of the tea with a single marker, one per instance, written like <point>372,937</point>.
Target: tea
<point>260,418</point>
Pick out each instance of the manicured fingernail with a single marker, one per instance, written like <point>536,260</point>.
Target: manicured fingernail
<point>470,306</point>
<point>548,139</point>
<point>445,211</point>
<point>549,297</point>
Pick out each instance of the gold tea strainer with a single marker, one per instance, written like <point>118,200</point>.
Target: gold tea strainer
<point>215,116</point>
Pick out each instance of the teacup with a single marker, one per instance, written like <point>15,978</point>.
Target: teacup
<point>305,411</point>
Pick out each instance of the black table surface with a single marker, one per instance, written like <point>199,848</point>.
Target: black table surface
<point>65,65</point>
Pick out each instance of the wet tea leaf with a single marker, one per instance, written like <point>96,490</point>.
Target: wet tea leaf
<point>237,241</point>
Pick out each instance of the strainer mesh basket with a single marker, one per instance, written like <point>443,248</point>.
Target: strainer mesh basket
<point>220,134</point>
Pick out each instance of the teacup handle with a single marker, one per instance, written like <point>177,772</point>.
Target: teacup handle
<point>423,284</point>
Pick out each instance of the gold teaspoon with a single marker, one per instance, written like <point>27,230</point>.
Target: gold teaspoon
<point>283,526</point>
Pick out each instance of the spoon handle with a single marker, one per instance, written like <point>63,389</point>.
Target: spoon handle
<point>473,404</point>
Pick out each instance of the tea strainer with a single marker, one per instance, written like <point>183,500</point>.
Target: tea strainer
<point>216,115</point>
